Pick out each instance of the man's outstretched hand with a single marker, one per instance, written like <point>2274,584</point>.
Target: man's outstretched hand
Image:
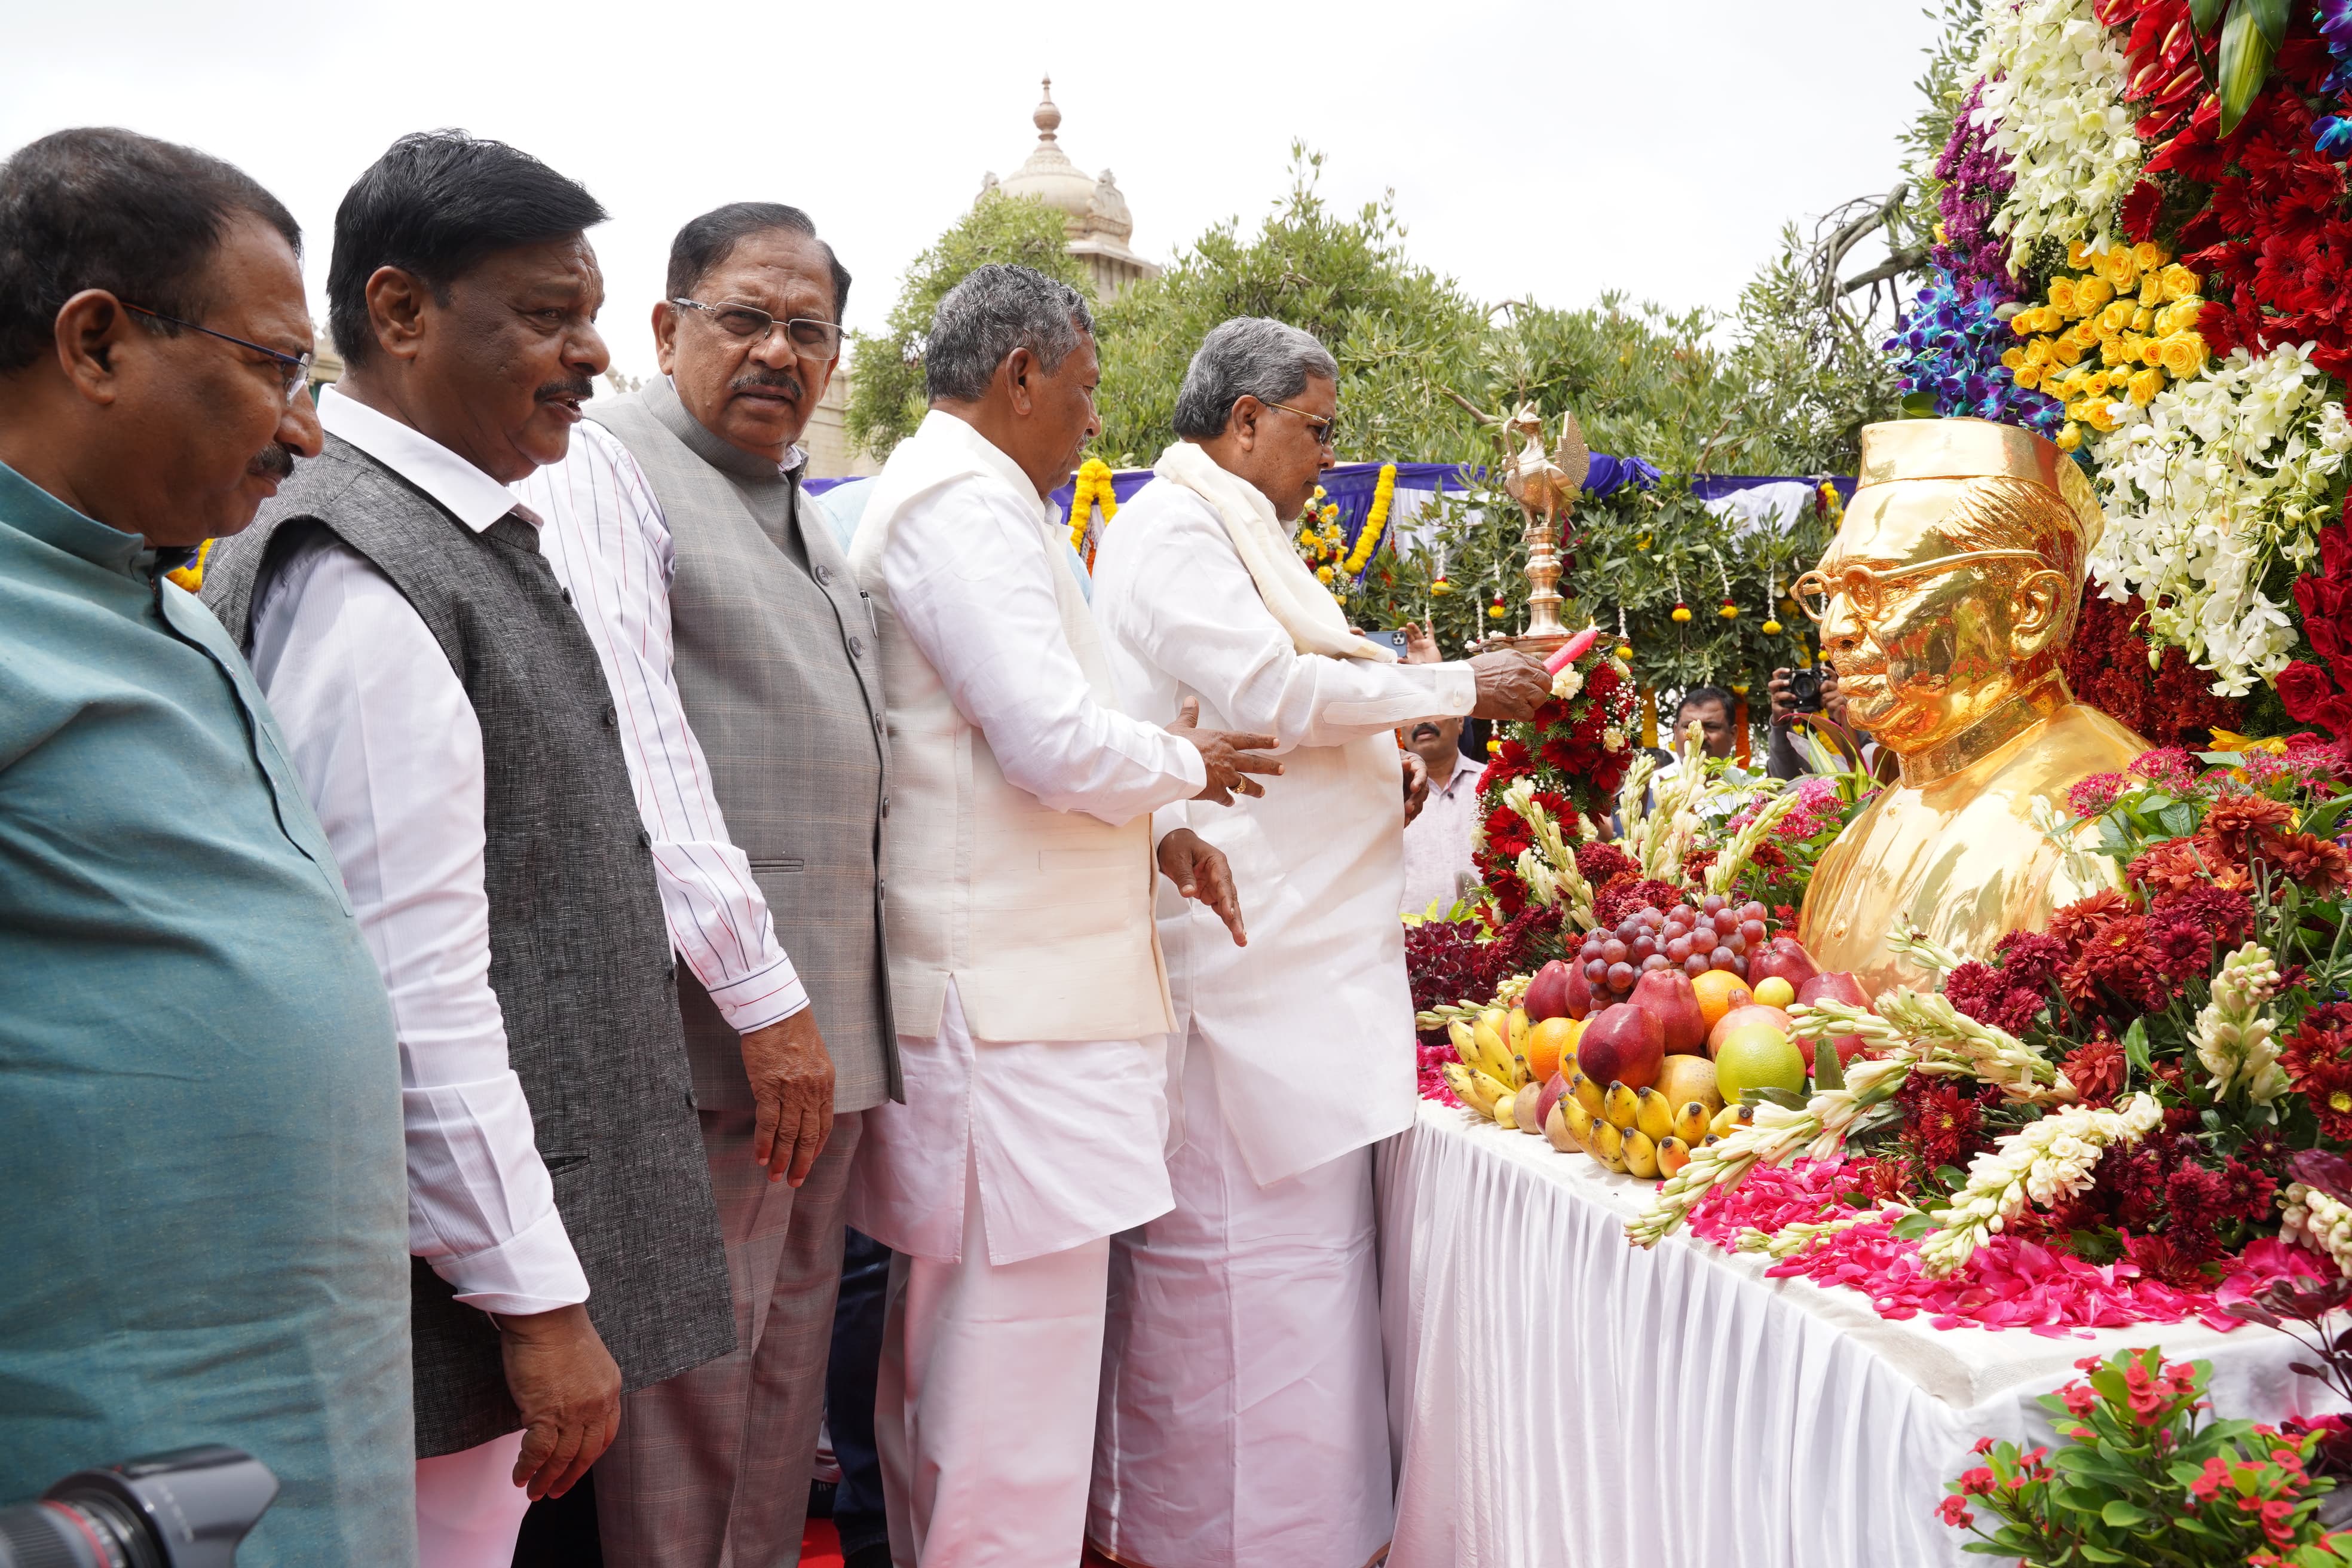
<point>1199,870</point>
<point>1511,684</point>
<point>1231,758</point>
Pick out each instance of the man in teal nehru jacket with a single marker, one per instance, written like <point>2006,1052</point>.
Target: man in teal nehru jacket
<point>205,1220</point>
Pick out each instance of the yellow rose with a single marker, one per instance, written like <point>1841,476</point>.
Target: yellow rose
<point>2142,319</point>
<point>2014,359</point>
<point>2062,295</point>
<point>2118,314</point>
<point>2090,293</point>
<point>2114,348</point>
<point>2028,376</point>
<point>2178,282</point>
<point>2037,352</point>
<point>2100,414</point>
<point>2066,347</point>
<point>2069,436</point>
<point>2147,256</point>
<point>2078,254</point>
<point>2151,289</point>
<point>2118,268</point>
<point>1323,574</point>
<point>2052,319</point>
<point>2144,385</point>
<point>2182,354</point>
<point>2022,324</point>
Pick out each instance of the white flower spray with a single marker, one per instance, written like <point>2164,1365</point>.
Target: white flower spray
<point>2235,1040</point>
<point>2041,1162</point>
<point>2319,1222</point>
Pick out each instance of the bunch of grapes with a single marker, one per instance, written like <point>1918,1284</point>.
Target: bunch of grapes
<point>1715,934</point>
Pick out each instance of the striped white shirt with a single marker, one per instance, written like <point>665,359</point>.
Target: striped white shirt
<point>605,537</point>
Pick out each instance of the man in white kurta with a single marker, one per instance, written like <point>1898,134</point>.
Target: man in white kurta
<point>1024,975</point>
<point>1244,1416</point>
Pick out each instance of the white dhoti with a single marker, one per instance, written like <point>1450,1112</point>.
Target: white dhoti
<point>998,1184</point>
<point>1244,1418</point>
<point>469,1508</point>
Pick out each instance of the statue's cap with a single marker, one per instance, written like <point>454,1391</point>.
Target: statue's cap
<point>1975,448</point>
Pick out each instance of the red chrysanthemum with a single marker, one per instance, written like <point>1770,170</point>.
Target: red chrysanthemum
<point>2095,1069</point>
<point>2319,1061</point>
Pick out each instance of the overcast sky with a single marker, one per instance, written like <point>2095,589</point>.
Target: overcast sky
<point>1547,151</point>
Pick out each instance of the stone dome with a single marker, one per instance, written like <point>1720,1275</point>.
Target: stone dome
<point>1094,209</point>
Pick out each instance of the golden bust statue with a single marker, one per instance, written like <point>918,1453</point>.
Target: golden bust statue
<point>1944,603</point>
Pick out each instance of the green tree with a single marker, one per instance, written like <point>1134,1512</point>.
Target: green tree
<point>886,392</point>
<point>1402,334</point>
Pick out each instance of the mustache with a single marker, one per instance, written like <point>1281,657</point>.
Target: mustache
<point>275,461</point>
<point>1425,727</point>
<point>578,388</point>
<point>786,382</point>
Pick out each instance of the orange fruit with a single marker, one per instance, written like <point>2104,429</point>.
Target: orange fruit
<point>1719,991</point>
<point>1548,1043</point>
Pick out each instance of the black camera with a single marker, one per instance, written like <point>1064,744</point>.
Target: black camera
<point>1805,691</point>
<point>187,1509</point>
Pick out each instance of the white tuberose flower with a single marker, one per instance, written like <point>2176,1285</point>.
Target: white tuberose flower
<point>2042,1161</point>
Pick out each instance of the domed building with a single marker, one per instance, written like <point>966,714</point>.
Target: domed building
<point>1094,210</point>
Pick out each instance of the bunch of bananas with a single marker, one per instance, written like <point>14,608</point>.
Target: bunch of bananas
<point>1492,1067</point>
<point>1637,1132</point>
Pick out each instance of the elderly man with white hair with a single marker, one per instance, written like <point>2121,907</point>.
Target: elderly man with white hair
<point>1024,974</point>
<point>1243,1417</point>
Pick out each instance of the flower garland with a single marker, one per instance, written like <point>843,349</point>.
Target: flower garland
<point>1376,522</point>
<point>2051,104</point>
<point>2216,480</point>
<point>1090,489</point>
<point>1321,544</point>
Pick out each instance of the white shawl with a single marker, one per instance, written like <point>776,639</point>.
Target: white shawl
<point>1302,606</point>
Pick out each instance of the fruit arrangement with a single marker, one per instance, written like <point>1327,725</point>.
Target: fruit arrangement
<point>1639,1076</point>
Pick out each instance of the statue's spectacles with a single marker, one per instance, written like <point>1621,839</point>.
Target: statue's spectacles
<point>1865,587</point>
<point>810,338</point>
<point>1326,431</point>
<point>293,370</point>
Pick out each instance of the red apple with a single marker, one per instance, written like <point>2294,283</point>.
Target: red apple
<point>1576,993</point>
<point>1785,957</point>
<point>1668,993</point>
<point>1554,1086</point>
<point>1837,986</point>
<point>1546,994</point>
<point>1625,1044</point>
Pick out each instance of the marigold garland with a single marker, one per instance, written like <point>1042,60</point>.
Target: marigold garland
<point>1376,521</point>
<point>1091,489</point>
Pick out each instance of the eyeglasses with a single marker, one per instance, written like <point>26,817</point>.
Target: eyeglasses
<point>810,338</point>
<point>1864,587</point>
<point>1326,430</point>
<point>294,370</point>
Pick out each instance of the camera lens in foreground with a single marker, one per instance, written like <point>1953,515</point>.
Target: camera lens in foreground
<point>185,1508</point>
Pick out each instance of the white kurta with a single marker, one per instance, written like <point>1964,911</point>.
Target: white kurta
<point>1243,1417</point>
<point>1312,1022</point>
<point>1067,1134</point>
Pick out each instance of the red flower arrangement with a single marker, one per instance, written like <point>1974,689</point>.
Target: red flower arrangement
<point>2264,225</point>
<point>1566,751</point>
<point>2106,663</point>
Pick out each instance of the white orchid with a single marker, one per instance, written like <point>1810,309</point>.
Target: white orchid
<point>2054,105</point>
<point>2215,481</point>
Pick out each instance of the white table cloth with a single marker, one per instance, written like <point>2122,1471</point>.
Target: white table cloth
<point>1559,1399</point>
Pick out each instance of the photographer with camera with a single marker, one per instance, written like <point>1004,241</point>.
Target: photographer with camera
<point>208,1216</point>
<point>1799,698</point>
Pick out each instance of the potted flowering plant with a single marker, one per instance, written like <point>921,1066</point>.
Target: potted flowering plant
<point>2146,1476</point>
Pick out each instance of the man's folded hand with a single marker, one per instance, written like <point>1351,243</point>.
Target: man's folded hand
<point>1200,872</point>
